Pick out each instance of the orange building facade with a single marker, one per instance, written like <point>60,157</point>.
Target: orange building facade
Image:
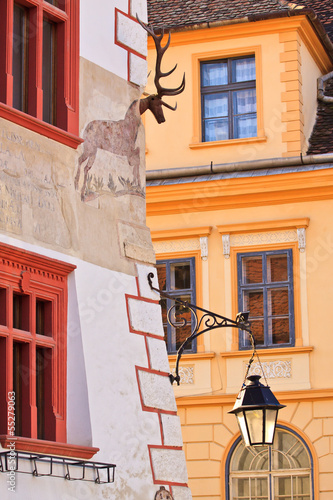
<point>239,213</point>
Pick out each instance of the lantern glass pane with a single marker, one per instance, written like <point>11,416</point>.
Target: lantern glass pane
<point>255,423</point>
<point>243,428</point>
<point>270,425</point>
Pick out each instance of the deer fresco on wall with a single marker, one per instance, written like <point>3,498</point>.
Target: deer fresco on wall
<point>119,137</point>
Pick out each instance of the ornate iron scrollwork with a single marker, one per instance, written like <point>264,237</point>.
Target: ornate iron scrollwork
<point>206,322</point>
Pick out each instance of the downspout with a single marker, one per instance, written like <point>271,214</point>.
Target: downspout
<point>172,173</point>
<point>321,88</point>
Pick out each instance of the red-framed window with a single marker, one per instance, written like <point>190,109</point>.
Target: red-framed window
<point>39,66</point>
<point>33,323</point>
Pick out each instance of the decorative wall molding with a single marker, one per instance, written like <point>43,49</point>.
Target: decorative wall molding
<point>273,369</point>
<point>263,238</point>
<point>186,374</point>
<point>204,247</point>
<point>301,239</point>
<point>226,245</point>
<point>170,246</point>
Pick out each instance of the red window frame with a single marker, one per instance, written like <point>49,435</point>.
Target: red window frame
<point>34,278</point>
<point>66,19</point>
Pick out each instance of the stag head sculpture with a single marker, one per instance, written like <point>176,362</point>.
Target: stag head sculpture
<point>154,101</point>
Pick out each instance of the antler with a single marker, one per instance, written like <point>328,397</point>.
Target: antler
<point>162,91</point>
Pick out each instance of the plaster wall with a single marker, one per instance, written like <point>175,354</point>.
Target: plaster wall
<point>312,268</point>
<point>98,29</point>
<point>181,129</point>
<point>209,431</point>
<point>310,73</point>
<point>43,199</point>
<point>87,207</point>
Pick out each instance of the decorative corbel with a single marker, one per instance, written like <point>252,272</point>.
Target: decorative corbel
<point>226,245</point>
<point>204,247</point>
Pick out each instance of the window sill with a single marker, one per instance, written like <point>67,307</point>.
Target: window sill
<point>40,127</point>
<point>245,353</point>
<point>192,356</point>
<point>47,447</point>
<point>229,142</point>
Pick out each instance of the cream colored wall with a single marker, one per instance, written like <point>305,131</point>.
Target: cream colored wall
<point>290,62</point>
<point>314,266</point>
<point>169,145</point>
<point>310,73</point>
<point>209,431</point>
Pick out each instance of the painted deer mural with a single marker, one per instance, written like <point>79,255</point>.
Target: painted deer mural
<point>119,137</point>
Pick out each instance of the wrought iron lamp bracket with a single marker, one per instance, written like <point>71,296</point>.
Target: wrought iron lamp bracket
<point>206,322</point>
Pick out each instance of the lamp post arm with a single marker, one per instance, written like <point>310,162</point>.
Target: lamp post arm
<point>208,321</point>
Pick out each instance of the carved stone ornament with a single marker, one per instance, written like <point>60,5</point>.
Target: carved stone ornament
<point>263,238</point>
<point>186,374</point>
<point>273,369</point>
<point>163,494</point>
<point>25,281</point>
<point>226,245</point>
<point>301,239</point>
<point>204,247</point>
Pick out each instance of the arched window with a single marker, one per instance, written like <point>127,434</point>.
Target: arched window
<point>283,471</point>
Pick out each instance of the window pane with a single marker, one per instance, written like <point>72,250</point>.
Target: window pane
<point>21,387</point>
<point>43,392</point>
<point>3,306</point>
<point>57,3</point>
<point>214,74</point>
<point>279,329</point>
<point>257,327</point>
<point>161,276</point>
<point>244,101</point>
<point>217,130</point>
<point>282,486</point>
<point>182,318</point>
<point>216,105</point>
<point>253,301</point>
<point>252,270</point>
<point>245,126</point>
<point>250,458</point>
<point>240,489</point>
<point>278,302</point>
<point>301,487</point>
<point>243,69</point>
<point>48,72</point>
<point>40,387</point>
<point>21,311</point>
<point>19,58</point>
<point>180,276</point>
<point>259,488</point>
<point>43,317</point>
<point>277,268</point>
<point>17,386</point>
<point>288,444</point>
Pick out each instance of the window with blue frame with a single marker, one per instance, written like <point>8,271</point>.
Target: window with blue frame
<point>283,471</point>
<point>177,278</point>
<point>265,289</point>
<point>228,99</point>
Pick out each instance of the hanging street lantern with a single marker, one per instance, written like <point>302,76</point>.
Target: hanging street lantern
<point>256,410</point>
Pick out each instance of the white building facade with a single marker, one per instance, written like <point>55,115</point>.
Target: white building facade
<point>84,369</point>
